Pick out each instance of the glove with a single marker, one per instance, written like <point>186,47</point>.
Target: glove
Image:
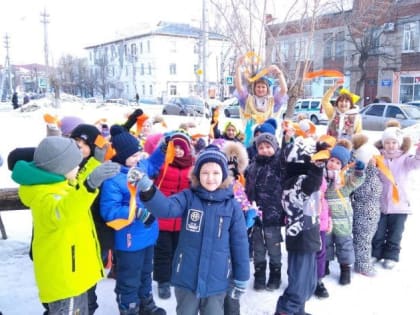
<point>101,173</point>
<point>145,216</point>
<point>250,216</point>
<point>99,153</point>
<point>239,288</point>
<point>359,166</point>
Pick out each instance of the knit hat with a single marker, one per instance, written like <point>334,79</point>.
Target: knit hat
<point>57,155</point>
<point>68,123</point>
<point>270,126</point>
<point>269,138</point>
<point>341,153</point>
<point>362,149</point>
<point>183,140</point>
<point>124,144</point>
<point>88,133</point>
<point>393,133</point>
<point>211,154</point>
<point>152,142</point>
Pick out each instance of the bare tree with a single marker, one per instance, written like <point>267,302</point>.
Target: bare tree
<point>365,32</point>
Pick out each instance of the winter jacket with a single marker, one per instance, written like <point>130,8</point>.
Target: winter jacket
<point>115,201</point>
<point>170,182</point>
<point>324,216</point>
<point>263,185</point>
<point>400,166</point>
<point>301,202</point>
<point>213,242</point>
<point>340,204</point>
<point>66,252</point>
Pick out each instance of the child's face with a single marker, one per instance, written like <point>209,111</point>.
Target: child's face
<point>230,132</point>
<point>390,145</point>
<point>134,159</point>
<point>211,176</point>
<point>147,128</point>
<point>333,164</point>
<point>179,153</point>
<point>265,149</point>
<point>72,174</point>
<point>260,89</point>
<point>84,148</point>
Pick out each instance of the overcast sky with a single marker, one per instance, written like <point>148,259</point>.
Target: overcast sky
<point>75,24</point>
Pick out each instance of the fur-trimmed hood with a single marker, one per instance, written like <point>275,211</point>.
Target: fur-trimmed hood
<point>236,150</point>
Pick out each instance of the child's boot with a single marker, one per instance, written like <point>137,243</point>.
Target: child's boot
<point>259,276</point>
<point>321,291</point>
<point>345,275</point>
<point>149,307</point>
<point>274,278</point>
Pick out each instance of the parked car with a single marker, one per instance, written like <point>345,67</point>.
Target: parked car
<point>186,106</point>
<point>231,107</point>
<point>376,115</point>
<point>311,108</point>
<point>415,103</point>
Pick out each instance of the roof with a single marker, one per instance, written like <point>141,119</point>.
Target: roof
<point>166,29</point>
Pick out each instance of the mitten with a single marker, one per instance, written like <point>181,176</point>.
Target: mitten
<point>145,216</point>
<point>99,153</point>
<point>101,173</point>
<point>132,118</point>
<point>359,166</point>
<point>138,178</point>
<point>250,216</point>
<point>239,288</point>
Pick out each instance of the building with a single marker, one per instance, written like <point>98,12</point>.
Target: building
<point>374,43</point>
<point>159,62</point>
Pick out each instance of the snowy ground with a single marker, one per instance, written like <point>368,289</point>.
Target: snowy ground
<point>390,292</point>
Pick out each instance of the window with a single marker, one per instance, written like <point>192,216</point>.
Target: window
<point>143,89</point>
<point>141,47</point>
<point>409,88</point>
<point>284,51</point>
<point>126,70</point>
<point>393,111</point>
<point>172,68</point>
<point>303,52</point>
<point>339,44</point>
<point>125,50</point>
<point>376,110</point>
<point>142,70</point>
<point>172,90</point>
<point>305,105</point>
<point>410,36</point>
<point>133,50</point>
<point>149,68</point>
<point>150,89</point>
<point>148,46</point>
<point>328,45</point>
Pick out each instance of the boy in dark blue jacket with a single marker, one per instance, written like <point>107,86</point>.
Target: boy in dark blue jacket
<point>213,243</point>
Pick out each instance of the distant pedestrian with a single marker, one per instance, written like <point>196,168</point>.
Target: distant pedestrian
<point>137,98</point>
<point>15,101</point>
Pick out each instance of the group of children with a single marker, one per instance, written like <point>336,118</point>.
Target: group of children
<point>192,217</point>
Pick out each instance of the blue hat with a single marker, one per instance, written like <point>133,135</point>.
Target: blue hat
<point>269,126</point>
<point>341,153</point>
<point>124,144</point>
<point>211,154</point>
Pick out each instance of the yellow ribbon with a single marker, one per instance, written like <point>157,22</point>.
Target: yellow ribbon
<point>380,163</point>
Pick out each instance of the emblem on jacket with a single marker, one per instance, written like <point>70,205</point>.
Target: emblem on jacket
<point>194,219</point>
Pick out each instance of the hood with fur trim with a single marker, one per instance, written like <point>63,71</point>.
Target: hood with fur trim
<point>236,151</point>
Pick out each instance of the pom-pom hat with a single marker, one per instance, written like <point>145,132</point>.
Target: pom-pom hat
<point>211,154</point>
<point>270,126</point>
<point>394,133</point>
<point>57,155</point>
<point>124,144</point>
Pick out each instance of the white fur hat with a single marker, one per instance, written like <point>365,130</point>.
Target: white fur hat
<point>365,152</point>
<point>393,133</point>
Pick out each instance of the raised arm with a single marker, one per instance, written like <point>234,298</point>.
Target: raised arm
<point>325,102</point>
<point>280,76</point>
<point>238,75</point>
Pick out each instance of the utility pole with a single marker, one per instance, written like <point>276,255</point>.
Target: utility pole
<point>45,20</point>
<point>6,80</point>
<point>205,38</point>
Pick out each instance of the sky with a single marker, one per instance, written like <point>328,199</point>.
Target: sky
<point>76,24</point>
<point>390,292</point>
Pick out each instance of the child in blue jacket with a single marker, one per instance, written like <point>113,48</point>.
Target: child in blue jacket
<point>213,243</point>
<point>135,234</point>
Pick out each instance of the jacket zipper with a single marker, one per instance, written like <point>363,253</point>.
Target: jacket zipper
<point>73,258</point>
<point>219,234</point>
<point>179,263</point>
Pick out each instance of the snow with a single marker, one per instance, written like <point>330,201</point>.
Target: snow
<point>390,292</point>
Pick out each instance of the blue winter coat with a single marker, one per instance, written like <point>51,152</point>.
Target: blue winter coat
<point>114,204</point>
<point>213,241</point>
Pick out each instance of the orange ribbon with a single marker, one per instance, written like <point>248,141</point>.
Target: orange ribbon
<point>380,163</point>
<point>118,224</point>
<point>323,73</point>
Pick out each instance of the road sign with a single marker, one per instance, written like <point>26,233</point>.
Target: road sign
<point>229,80</point>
